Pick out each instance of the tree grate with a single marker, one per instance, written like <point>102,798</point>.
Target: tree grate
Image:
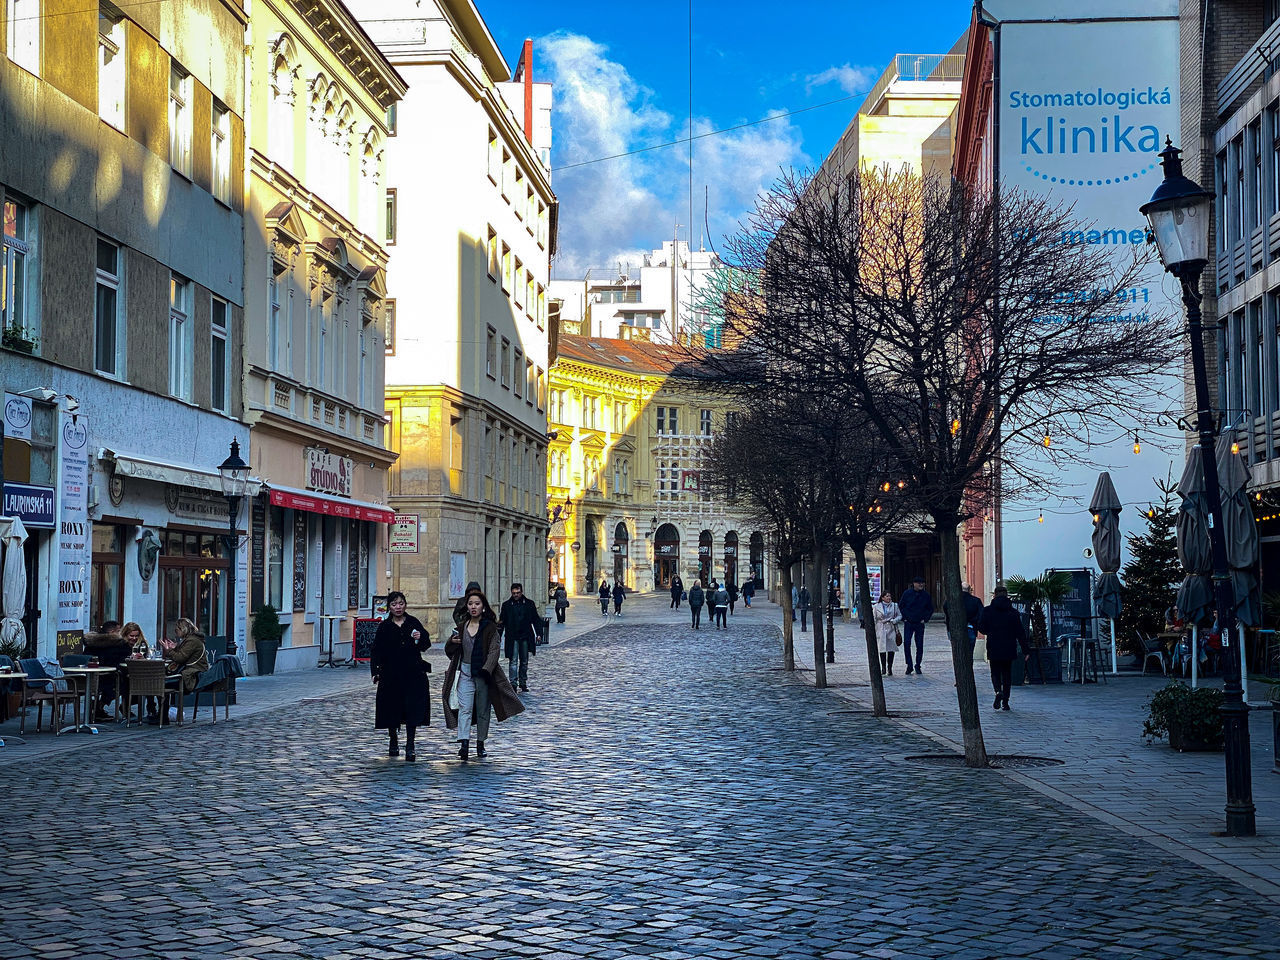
<point>891,715</point>
<point>998,761</point>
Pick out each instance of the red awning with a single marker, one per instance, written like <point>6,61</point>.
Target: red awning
<point>329,506</point>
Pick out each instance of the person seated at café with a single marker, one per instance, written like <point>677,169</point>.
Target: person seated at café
<point>185,656</point>
<point>111,649</point>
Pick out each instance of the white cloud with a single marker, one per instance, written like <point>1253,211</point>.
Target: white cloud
<point>613,210</point>
<point>847,77</point>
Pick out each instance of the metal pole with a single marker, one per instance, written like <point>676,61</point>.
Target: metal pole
<point>1115,661</point>
<point>1235,712</point>
<point>233,511</point>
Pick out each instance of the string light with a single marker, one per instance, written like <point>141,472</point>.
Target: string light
<point>1235,447</point>
<point>1151,512</point>
<point>1047,441</point>
<point>1137,445</point>
<point>885,488</point>
<point>1040,519</point>
<point>955,427</point>
<point>901,484</point>
<point>1097,517</point>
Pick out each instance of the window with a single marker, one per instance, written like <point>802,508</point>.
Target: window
<point>180,119</point>
<point>391,216</point>
<point>111,65</point>
<point>220,152</point>
<point>1256,180</point>
<point>517,285</point>
<point>530,298</point>
<point>389,334</point>
<point>506,362</point>
<point>542,224</point>
<point>274,332</point>
<point>667,421</point>
<point>107,584</point>
<point>392,121</point>
<point>542,389</point>
<point>15,266</point>
<point>491,354</point>
<point>541,314</point>
<point>108,345</point>
<point>626,476</point>
<point>181,340</point>
<point>506,268</point>
<point>530,212</point>
<point>617,478</point>
<point>491,255</point>
<point>23,34</point>
<point>506,172</point>
<point>1237,184</point>
<point>219,356</point>
<point>704,424</point>
<point>529,383</point>
<point>517,373</point>
<point>518,197</point>
<point>494,161</point>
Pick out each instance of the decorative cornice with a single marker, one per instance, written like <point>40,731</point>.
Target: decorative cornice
<point>347,40</point>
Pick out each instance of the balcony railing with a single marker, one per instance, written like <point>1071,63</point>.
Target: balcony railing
<point>915,67</point>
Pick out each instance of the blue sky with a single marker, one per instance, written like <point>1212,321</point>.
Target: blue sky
<point>621,78</point>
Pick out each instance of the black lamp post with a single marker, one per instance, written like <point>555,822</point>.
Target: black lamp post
<point>234,473</point>
<point>1179,212</point>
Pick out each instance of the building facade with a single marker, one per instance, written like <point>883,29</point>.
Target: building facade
<point>122,182</point>
<point>630,422</point>
<point>321,95</point>
<point>471,232</point>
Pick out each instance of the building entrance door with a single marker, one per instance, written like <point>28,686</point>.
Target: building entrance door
<point>666,552</point>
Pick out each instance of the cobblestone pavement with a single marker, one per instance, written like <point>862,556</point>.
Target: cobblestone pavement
<point>668,794</point>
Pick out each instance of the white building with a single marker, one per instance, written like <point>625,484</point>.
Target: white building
<point>661,300</point>
<point>472,223</point>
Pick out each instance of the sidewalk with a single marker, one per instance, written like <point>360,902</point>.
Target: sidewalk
<point>1109,772</point>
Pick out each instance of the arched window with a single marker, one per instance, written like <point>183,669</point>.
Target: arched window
<point>281,126</point>
<point>626,476</point>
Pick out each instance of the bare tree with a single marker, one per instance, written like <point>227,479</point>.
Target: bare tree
<point>963,350</point>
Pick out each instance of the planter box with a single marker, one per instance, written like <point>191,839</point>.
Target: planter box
<point>1189,744</point>
<point>1044,665</point>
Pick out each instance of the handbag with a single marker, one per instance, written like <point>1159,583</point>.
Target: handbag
<point>897,634</point>
<point>684,595</point>
<point>453,691</point>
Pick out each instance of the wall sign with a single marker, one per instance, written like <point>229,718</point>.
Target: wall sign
<point>17,417</point>
<point>193,504</point>
<point>74,555</point>
<point>457,574</point>
<point>328,472</point>
<point>32,503</point>
<point>257,552</point>
<point>404,534</point>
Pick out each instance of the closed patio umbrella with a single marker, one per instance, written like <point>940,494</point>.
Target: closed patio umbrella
<point>1193,519</point>
<point>13,580</point>
<point>1240,533</point>
<point>1105,507</point>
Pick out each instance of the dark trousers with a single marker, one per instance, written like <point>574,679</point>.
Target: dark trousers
<point>1002,678</point>
<point>675,601</point>
<point>696,613</point>
<point>560,614</point>
<point>604,605</point>
<point>804,619</point>
<point>910,629</point>
<point>721,614</point>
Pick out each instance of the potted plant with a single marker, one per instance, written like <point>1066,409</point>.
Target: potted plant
<point>1191,719</point>
<point>1044,665</point>
<point>13,649</point>
<point>266,632</point>
<point>14,338</point>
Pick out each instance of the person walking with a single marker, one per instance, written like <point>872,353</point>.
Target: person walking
<point>748,591</point>
<point>474,682</point>
<point>519,621</point>
<point>733,595</point>
<point>619,594</point>
<point>400,674</point>
<point>916,607</point>
<point>795,602</point>
<point>712,591</point>
<point>805,600</point>
<point>562,602</point>
<point>696,599</point>
<point>887,616</point>
<point>722,607</point>
<point>460,608</point>
<point>604,594</point>
<point>1005,633</point>
<point>677,591</point>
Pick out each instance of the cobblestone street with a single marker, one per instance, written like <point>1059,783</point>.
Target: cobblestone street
<point>667,794</point>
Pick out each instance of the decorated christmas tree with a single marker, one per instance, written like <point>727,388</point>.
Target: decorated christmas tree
<point>1152,575</point>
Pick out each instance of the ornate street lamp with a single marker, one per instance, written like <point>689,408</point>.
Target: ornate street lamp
<point>234,474</point>
<point>1180,213</point>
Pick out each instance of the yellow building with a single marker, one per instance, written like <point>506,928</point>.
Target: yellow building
<point>629,426</point>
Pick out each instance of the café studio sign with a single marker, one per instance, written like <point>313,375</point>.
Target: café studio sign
<point>328,472</point>
<point>1066,138</point>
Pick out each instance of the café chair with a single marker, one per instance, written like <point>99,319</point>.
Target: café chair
<point>147,679</point>
<point>79,681</point>
<point>46,683</point>
<point>219,678</point>
<point>1152,647</point>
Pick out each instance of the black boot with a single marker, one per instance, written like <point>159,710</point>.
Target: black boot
<point>393,746</point>
<point>479,748</point>
<point>464,750</point>
<point>409,754</point>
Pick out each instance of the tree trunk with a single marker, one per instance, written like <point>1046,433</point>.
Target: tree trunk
<point>827,611</point>
<point>975,751</point>
<point>817,571</point>
<point>865,614</point>
<point>788,639</point>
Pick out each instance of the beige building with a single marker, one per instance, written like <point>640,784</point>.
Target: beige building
<point>629,426</point>
<point>321,98</point>
<point>471,235</point>
<point>121,177</point>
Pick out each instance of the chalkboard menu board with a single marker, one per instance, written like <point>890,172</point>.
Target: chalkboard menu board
<point>362,634</point>
<point>257,552</point>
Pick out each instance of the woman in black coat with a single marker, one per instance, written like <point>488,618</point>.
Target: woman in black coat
<point>401,676</point>
<point>1005,632</point>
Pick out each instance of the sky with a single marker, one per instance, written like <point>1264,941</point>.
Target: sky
<point>621,83</point>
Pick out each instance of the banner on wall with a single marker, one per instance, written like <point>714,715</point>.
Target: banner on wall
<point>74,556</point>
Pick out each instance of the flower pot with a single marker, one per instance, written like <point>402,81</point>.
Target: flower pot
<point>266,650</point>
<point>1044,665</point>
<point>1184,742</point>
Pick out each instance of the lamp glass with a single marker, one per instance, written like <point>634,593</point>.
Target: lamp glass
<point>234,473</point>
<point>1181,228</point>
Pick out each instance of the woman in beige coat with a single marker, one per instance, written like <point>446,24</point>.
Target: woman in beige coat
<point>473,653</point>
<point>887,617</point>
<point>186,655</point>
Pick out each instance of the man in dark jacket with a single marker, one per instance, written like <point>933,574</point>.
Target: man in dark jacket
<point>916,607</point>
<point>1005,632</point>
<point>520,623</point>
<point>805,599</point>
<point>677,590</point>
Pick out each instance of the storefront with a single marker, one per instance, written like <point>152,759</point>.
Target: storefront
<point>666,551</point>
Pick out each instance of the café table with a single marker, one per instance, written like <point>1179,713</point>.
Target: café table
<point>22,710</point>
<point>92,674</point>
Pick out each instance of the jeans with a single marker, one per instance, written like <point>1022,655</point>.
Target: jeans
<point>908,630</point>
<point>1002,679</point>
<point>697,616</point>
<point>721,613</point>
<point>473,705</point>
<point>560,614</point>
<point>675,601</point>
<point>518,665</point>
<point>604,606</point>
<point>804,619</point>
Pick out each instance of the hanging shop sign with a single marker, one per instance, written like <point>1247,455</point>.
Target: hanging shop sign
<point>74,556</point>
<point>328,472</point>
